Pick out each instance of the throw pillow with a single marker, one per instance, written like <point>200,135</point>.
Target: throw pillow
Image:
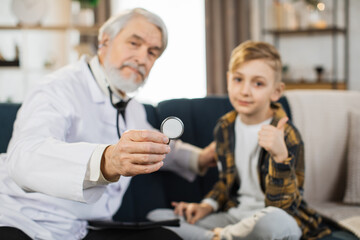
<point>352,192</point>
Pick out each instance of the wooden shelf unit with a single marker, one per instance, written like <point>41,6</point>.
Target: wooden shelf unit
<point>332,31</point>
<point>328,30</point>
<point>314,85</point>
<point>91,30</point>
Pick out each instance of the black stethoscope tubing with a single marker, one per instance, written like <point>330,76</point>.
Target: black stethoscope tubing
<point>118,109</point>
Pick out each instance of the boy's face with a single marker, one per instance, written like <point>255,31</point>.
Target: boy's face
<point>251,88</point>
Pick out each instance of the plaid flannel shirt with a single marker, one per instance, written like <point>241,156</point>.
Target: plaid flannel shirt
<point>282,183</point>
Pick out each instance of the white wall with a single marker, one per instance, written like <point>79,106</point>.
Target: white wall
<point>180,72</point>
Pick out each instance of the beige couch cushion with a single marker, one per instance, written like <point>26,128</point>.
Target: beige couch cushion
<point>352,193</point>
<point>322,119</point>
<point>345,215</point>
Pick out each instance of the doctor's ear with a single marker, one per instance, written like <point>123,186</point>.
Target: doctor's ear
<point>102,45</point>
<point>104,41</point>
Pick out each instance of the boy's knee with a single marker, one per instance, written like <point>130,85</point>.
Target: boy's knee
<point>161,214</point>
<point>277,224</point>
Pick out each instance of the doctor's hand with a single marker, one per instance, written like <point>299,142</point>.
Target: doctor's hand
<point>272,140</point>
<point>137,152</point>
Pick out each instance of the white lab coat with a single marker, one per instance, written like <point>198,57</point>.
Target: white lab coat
<point>56,131</point>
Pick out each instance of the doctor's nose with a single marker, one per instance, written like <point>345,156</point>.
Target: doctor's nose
<point>141,57</point>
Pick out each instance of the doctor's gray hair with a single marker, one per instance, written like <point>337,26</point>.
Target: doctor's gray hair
<point>115,24</point>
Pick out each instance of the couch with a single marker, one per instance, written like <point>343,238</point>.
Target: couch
<point>323,119</point>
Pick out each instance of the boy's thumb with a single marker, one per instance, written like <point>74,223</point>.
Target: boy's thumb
<point>281,123</point>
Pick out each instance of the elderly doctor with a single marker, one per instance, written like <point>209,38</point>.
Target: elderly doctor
<point>65,163</point>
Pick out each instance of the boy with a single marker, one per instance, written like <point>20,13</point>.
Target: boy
<point>260,159</point>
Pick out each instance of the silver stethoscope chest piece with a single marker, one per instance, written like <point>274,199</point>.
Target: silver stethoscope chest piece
<point>172,127</point>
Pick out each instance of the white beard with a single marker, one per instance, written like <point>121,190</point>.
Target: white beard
<point>117,81</point>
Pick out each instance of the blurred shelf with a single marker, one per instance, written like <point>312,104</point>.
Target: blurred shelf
<point>328,30</point>
<point>315,85</point>
<point>12,64</point>
<point>9,68</point>
<point>91,30</point>
<point>29,70</point>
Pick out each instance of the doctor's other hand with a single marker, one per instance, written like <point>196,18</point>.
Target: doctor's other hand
<point>192,212</point>
<point>137,152</point>
<point>207,157</point>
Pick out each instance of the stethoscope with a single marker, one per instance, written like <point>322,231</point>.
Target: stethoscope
<point>172,126</point>
<point>120,107</point>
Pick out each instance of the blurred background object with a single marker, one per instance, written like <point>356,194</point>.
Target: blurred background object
<point>202,34</point>
<point>29,12</point>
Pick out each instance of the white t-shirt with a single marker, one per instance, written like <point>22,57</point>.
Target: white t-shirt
<point>247,151</point>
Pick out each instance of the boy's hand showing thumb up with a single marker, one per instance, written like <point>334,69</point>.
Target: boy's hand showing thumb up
<point>272,140</point>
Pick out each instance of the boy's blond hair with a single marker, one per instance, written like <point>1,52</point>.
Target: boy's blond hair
<point>250,50</point>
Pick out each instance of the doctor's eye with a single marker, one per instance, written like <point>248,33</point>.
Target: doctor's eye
<point>134,43</point>
<point>154,53</point>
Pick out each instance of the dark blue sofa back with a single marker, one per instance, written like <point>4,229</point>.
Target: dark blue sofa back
<point>7,117</point>
<point>199,116</point>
